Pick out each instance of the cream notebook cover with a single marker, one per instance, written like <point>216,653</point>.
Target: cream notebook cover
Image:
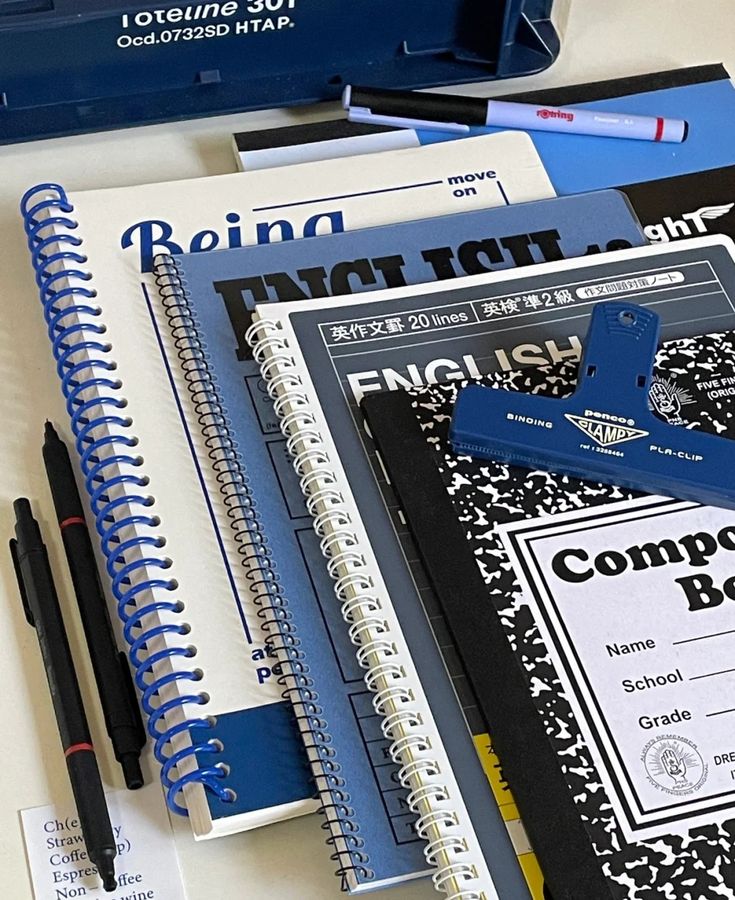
<point>181,579</point>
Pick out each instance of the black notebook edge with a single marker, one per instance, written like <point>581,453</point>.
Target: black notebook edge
<point>305,133</point>
<point>571,869</point>
<point>608,89</point>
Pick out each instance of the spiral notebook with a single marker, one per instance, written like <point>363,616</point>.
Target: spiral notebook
<point>208,300</point>
<point>321,359</point>
<point>161,503</point>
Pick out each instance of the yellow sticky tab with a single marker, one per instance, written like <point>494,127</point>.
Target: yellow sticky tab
<point>509,811</point>
<point>493,770</point>
<point>532,874</point>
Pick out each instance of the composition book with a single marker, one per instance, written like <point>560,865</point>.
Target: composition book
<point>608,616</point>
<point>322,358</point>
<point>190,616</point>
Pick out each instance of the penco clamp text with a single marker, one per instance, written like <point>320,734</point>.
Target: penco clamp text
<point>605,430</point>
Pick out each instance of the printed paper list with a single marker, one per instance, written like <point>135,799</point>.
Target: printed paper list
<point>146,864</point>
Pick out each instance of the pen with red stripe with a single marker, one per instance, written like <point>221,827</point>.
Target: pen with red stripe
<point>456,114</point>
<point>111,670</point>
<point>42,610</point>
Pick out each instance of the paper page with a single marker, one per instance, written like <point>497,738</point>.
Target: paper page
<point>146,865</point>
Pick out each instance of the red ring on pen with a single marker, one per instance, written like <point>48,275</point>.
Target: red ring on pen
<point>75,748</point>
<point>659,129</point>
<point>72,520</point>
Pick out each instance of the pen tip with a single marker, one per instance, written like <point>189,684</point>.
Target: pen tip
<point>106,867</point>
<point>131,771</point>
<point>49,432</point>
<point>22,507</point>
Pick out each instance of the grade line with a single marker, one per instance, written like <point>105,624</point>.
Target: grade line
<point>722,712</point>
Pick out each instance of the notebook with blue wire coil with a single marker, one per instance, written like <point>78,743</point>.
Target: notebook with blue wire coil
<point>179,544</point>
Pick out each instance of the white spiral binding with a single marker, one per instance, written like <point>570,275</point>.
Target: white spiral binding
<point>361,610</point>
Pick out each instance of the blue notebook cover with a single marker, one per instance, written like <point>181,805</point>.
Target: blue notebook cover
<point>221,288</point>
<point>578,163</point>
<point>415,252</point>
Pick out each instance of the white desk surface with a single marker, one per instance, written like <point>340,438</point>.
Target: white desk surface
<point>603,40</point>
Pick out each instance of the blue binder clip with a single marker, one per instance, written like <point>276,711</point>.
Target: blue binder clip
<point>605,431</point>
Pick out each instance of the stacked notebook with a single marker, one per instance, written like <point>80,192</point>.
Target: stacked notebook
<point>315,358</point>
<point>223,449</point>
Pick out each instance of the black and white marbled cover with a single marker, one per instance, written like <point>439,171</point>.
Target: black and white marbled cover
<point>694,386</point>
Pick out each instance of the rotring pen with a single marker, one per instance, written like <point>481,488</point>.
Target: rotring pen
<point>444,112</point>
<point>111,669</point>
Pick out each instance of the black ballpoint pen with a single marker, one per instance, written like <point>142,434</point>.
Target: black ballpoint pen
<point>42,610</point>
<point>111,670</point>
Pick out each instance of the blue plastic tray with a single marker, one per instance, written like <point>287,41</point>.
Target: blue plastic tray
<point>69,66</point>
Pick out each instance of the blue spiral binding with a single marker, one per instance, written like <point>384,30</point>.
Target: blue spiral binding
<point>256,558</point>
<point>116,484</point>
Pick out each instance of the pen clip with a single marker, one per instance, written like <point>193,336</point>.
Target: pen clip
<point>363,116</point>
<point>13,544</point>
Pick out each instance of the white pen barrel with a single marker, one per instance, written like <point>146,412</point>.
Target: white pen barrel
<point>505,114</point>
